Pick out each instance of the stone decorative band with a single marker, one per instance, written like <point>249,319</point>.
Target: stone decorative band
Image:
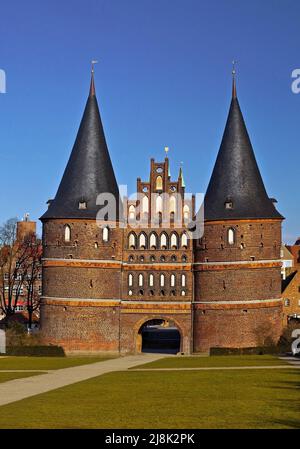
<point>94,302</point>
<point>181,304</point>
<point>249,301</point>
<point>80,299</point>
<point>156,311</point>
<point>236,266</point>
<point>158,267</point>
<point>82,263</point>
<point>125,306</point>
<point>114,264</point>
<point>255,304</point>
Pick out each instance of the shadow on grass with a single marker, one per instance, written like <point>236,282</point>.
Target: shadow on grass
<point>289,406</point>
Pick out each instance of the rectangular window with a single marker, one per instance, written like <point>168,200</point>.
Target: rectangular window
<point>286,302</point>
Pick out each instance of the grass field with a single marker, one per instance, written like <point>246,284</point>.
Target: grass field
<point>46,363</point>
<point>193,399</point>
<point>4,377</point>
<point>215,361</point>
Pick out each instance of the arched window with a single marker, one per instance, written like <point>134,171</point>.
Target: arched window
<point>142,241</point>
<point>163,241</point>
<point>172,205</point>
<point>130,280</point>
<point>131,212</point>
<point>184,240</point>
<point>132,241</point>
<point>172,280</point>
<point>151,280</point>
<point>158,205</point>
<point>105,234</point>
<point>141,280</point>
<point>174,241</point>
<point>231,236</point>
<point>162,280</point>
<point>67,233</point>
<point>153,241</point>
<point>186,212</point>
<point>159,183</point>
<point>183,280</point>
<point>145,204</point>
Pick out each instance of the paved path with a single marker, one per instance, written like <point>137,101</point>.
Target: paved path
<point>15,390</point>
<point>26,371</point>
<point>292,360</point>
<point>213,368</point>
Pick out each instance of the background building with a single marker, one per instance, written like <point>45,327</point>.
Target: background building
<point>291,287</point>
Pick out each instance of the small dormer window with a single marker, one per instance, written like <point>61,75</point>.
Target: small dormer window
<point>82,205</point>
<point>228,204</point>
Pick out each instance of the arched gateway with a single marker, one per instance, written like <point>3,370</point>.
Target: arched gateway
<point>159,335</point>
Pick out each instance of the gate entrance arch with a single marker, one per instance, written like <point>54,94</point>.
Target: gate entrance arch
<point>159,335</point>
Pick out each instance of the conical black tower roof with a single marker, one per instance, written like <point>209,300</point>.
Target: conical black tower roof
<point>236,178</point>
<point>89,171</point>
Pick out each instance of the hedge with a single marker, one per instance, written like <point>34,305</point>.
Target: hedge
<point>259,350</point>
<point>35,351</point>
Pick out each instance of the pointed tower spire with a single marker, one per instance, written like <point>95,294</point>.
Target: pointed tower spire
<point>167,159</point>
<point>180,176</point>
<point>89,171</point>
<point>236,189</point>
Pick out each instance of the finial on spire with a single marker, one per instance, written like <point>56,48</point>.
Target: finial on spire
<point>233,79</point>
<point>167,150</point>
<point>92,87</point>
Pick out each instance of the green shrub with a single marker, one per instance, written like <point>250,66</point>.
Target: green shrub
<point>35,351</point>
<point>259,350</point>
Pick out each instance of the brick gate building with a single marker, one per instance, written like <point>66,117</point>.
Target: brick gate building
<point>104,279</point>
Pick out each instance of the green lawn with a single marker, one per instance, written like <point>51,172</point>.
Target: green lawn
<point>4,377</point>
<point>213,361</point>
<point>46,363</point>
<point>182,399</point>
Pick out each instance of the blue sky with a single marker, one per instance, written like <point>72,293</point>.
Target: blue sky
<point>163,79</point>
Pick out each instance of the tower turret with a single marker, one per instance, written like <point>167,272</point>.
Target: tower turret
<point>82,255</point>
<point>237,262</point>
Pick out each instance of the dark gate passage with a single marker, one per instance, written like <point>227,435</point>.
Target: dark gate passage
<point>160,336</point>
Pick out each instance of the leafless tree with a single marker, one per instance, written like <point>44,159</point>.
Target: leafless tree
<point>34,249</point>
<point>19,269</point>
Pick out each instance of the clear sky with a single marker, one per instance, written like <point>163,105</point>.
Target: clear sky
<point>163,79</point>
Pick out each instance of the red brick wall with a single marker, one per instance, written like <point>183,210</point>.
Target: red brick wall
<point>238,284</point>
<point>225,272</point>
<point>236,328</point>
<point>76,327</point>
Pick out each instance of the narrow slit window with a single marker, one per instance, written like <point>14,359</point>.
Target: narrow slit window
<point>67,233</point>
<point>231,236</point>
